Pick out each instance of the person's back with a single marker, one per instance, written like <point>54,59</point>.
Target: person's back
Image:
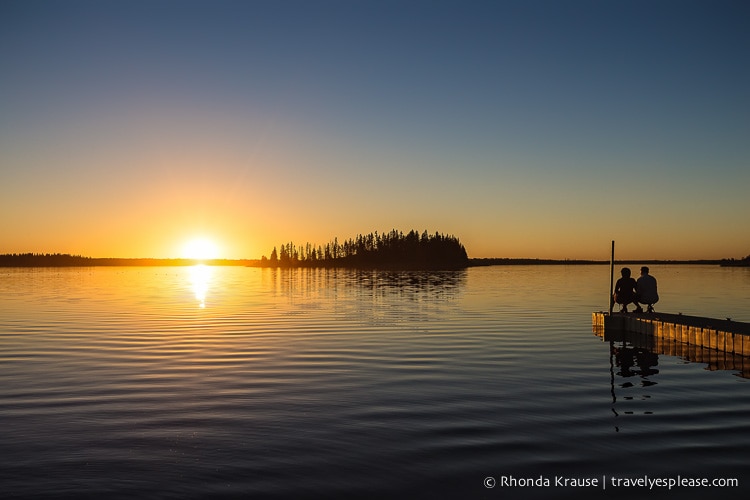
<point>625,290</point>
<point>646,288</point>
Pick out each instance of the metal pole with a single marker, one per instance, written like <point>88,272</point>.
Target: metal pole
<point>612,278</point>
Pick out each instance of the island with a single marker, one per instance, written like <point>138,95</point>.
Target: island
<point>392,250</point>
<point>743,262</point>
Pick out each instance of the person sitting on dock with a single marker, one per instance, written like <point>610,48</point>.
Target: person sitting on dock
<point>625,290</point>
<point>645,291</point>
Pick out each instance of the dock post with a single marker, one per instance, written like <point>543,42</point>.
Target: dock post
<point>612,278</point>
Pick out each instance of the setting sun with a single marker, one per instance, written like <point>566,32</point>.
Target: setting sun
<point>200,248</point>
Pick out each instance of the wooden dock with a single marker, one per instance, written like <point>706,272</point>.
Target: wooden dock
<point>722,343</point>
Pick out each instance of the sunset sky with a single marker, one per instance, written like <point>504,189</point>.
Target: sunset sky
<point>526,128</point>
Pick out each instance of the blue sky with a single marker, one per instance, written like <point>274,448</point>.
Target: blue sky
<point>527,129</point>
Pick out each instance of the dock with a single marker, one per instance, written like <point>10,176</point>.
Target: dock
<point>721,343</point>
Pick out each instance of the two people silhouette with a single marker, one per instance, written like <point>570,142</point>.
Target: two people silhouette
<point>642,291</point>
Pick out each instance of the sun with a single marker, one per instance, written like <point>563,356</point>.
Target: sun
<point>200,249</point>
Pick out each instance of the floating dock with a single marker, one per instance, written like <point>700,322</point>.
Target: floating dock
<point>722,343</point>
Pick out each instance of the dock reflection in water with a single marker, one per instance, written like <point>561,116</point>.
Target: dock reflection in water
<point>715,359</point>
<point>634,368</point>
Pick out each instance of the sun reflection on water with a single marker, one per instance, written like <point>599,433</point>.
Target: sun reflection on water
<point>200,277</point>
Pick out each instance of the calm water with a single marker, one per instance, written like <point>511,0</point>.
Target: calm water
<point>256,383</point>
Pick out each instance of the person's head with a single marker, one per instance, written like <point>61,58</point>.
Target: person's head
<point>625,272</point>
<point>644,270</point>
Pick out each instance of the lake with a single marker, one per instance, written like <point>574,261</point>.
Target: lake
<point>223,382</point>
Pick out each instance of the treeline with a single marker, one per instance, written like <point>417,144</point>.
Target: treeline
<point>743,262</point>
<point>389,250</point>
<point>526,262</point>
<point>540,262</point>
<point>44,260</point>
<point>67,260</point>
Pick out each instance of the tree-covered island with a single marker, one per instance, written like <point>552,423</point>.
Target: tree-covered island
<point>743,262</point>
<point>389,250</point>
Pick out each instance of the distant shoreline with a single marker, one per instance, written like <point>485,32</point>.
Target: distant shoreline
<point>65,260</point>
<point>516,262</point>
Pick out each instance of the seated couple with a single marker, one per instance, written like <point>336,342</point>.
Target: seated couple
<point>639,292</point>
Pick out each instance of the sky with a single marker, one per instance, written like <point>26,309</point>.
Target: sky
<point>532,128</point>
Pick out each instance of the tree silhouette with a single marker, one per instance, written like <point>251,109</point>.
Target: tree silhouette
<point>390,250</point>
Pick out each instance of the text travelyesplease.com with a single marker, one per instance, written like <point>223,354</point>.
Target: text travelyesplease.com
<point>605,482</point>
